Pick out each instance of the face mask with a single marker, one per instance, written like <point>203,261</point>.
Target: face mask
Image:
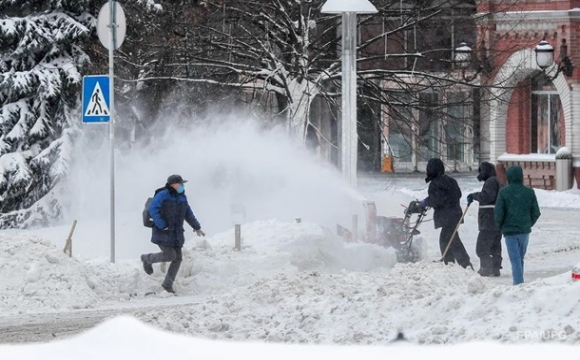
<point>181,189</point>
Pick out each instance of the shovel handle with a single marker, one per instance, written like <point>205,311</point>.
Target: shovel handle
<point>454,232</point>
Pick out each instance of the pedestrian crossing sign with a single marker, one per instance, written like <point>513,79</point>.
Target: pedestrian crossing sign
<point>96,99</point>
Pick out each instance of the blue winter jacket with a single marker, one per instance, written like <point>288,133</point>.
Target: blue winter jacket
<point>169,210</point>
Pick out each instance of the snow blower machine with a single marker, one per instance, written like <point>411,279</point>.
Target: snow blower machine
<point>392,232</point>
<point>398,232</point>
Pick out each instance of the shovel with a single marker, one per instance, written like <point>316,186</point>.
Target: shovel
<point>453,235</point>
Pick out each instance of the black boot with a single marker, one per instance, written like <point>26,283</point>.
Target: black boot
<point>147,267</point>
<point>496,265</point>
<point>169,289</point>
<point>485,272</point>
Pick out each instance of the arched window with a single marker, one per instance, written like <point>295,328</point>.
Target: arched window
<point>547,117</point>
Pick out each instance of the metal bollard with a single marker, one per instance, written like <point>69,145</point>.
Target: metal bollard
<point>354,227</point>
<point>371,221</point>
<point>238,234</point>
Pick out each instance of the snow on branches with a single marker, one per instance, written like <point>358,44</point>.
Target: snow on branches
<point>39,102</point>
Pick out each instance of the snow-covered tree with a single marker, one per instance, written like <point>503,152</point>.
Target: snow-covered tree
<point>44,54</point>
<point>39,102</point>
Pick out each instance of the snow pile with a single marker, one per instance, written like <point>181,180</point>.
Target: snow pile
<point>127,338</point>
<point>38,277</point>
<point>430,302</point>
<point>564,153</point>
<point>313,307</point>
<point>569,199</point>
<point>273,247</point>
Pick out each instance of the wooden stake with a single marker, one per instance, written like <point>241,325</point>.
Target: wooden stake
<point>68,243</point>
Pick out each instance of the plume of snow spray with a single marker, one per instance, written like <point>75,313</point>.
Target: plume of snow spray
<point>236,172</point>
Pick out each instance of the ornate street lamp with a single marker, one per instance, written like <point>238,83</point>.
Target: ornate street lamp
<point>349,136</point>
<point>465,60</point>
<point>462,55</point>
<point>545,58</point>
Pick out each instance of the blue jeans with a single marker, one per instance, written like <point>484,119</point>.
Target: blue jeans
<point>516,247</point>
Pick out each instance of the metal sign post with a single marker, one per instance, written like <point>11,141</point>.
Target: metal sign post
<point>111,33</point>
<point>112,25</point>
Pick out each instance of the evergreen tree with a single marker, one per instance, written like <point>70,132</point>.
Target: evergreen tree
<point>40,77</point>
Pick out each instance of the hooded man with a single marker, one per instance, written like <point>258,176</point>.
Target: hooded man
<point>488,246</point>
<point>169,210</point>
<point>516,211</point>
<point>444,195</point>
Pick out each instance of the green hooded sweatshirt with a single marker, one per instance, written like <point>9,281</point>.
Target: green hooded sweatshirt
<point>516,208</point>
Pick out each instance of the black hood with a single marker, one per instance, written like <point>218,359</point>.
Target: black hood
<point>435,168</point>
<point>486,170</point>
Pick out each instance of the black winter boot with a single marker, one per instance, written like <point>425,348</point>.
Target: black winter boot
<point>485,272</point>
<point>169,289</point>
<point>147,267</point>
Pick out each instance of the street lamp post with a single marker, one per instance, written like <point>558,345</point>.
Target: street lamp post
<point>349,134</point>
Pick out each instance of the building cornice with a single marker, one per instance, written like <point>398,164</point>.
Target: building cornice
<point>541,15</point>
<point>546,20</point>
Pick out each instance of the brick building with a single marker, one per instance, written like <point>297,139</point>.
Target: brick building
<point>530,113</point>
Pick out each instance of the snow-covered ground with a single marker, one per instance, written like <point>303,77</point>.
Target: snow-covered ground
<point>127,338</point>
<point>291,282</point>
<point>298,282</point>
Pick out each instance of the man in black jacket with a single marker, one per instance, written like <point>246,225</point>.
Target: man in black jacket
<point>488,246</point>
<point>444,195</point>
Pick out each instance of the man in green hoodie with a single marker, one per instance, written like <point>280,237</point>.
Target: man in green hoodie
<point>516,211</point>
